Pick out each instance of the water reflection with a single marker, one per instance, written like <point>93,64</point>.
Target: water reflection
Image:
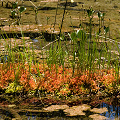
<point>113,111</point>
<point>35,40</point>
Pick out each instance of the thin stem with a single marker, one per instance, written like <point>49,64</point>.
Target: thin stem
<point>63,17</point>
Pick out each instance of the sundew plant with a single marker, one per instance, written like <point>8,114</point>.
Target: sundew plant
<point>83,65</point>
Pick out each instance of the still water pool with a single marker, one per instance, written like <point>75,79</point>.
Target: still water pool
<point>113,113</point>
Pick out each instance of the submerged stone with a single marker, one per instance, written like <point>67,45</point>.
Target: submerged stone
<point>97,117</point>
<point>99,110</point>
<point>56,107</point>
<point>77,110</point>
<point>72,112</point>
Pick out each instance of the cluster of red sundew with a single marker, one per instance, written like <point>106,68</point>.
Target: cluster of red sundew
<point>10,73</point>
<point>63,82</point>
<point>56,80</point>
<point>6,75</point>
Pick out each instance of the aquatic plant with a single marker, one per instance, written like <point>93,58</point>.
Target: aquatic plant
<point>20,9</point>
<point>36,12</point>
<point>47,18</point>
<point>101,19</point>
<point>13,14</point>
<point>14,10</point>
<point>106,29</point>
<point>35,8</point>
<point>17,11</point>
<point>14,5</point>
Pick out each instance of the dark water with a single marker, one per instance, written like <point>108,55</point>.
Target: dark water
<point>113,113</point>
<point>3,58</point>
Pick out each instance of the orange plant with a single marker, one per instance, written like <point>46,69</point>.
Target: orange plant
<point>56,80</point>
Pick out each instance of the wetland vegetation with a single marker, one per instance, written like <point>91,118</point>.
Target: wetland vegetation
<point>57,57</point>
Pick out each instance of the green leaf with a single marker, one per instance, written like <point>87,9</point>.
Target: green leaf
<point>21,9</point>
<point>13,13</point>
<point>14,5</point>
<point>98,32</point>
<point>81,34</point>
<point>99,14</point>
<point>73,36</point>
<point>103,14</point>
<point>106,29</point>
<point>90,12</point>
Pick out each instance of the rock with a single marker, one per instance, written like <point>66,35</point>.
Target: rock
<point>97,117</point>
<point>77,110</point>
<point>99,110</point>
<point>56,107</point>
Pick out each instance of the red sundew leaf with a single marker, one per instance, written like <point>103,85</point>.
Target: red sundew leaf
<point>23,80</point>
<point>73,81</point>
<point>83,78</point>
<point>50,89</point>
<point>108,79</point>
<point>57,87</point>
<point>94,85</point>
<point>32,83</point>
<point>34,71</point>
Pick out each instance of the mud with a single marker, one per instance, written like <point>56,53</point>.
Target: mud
<point>75,14</point>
